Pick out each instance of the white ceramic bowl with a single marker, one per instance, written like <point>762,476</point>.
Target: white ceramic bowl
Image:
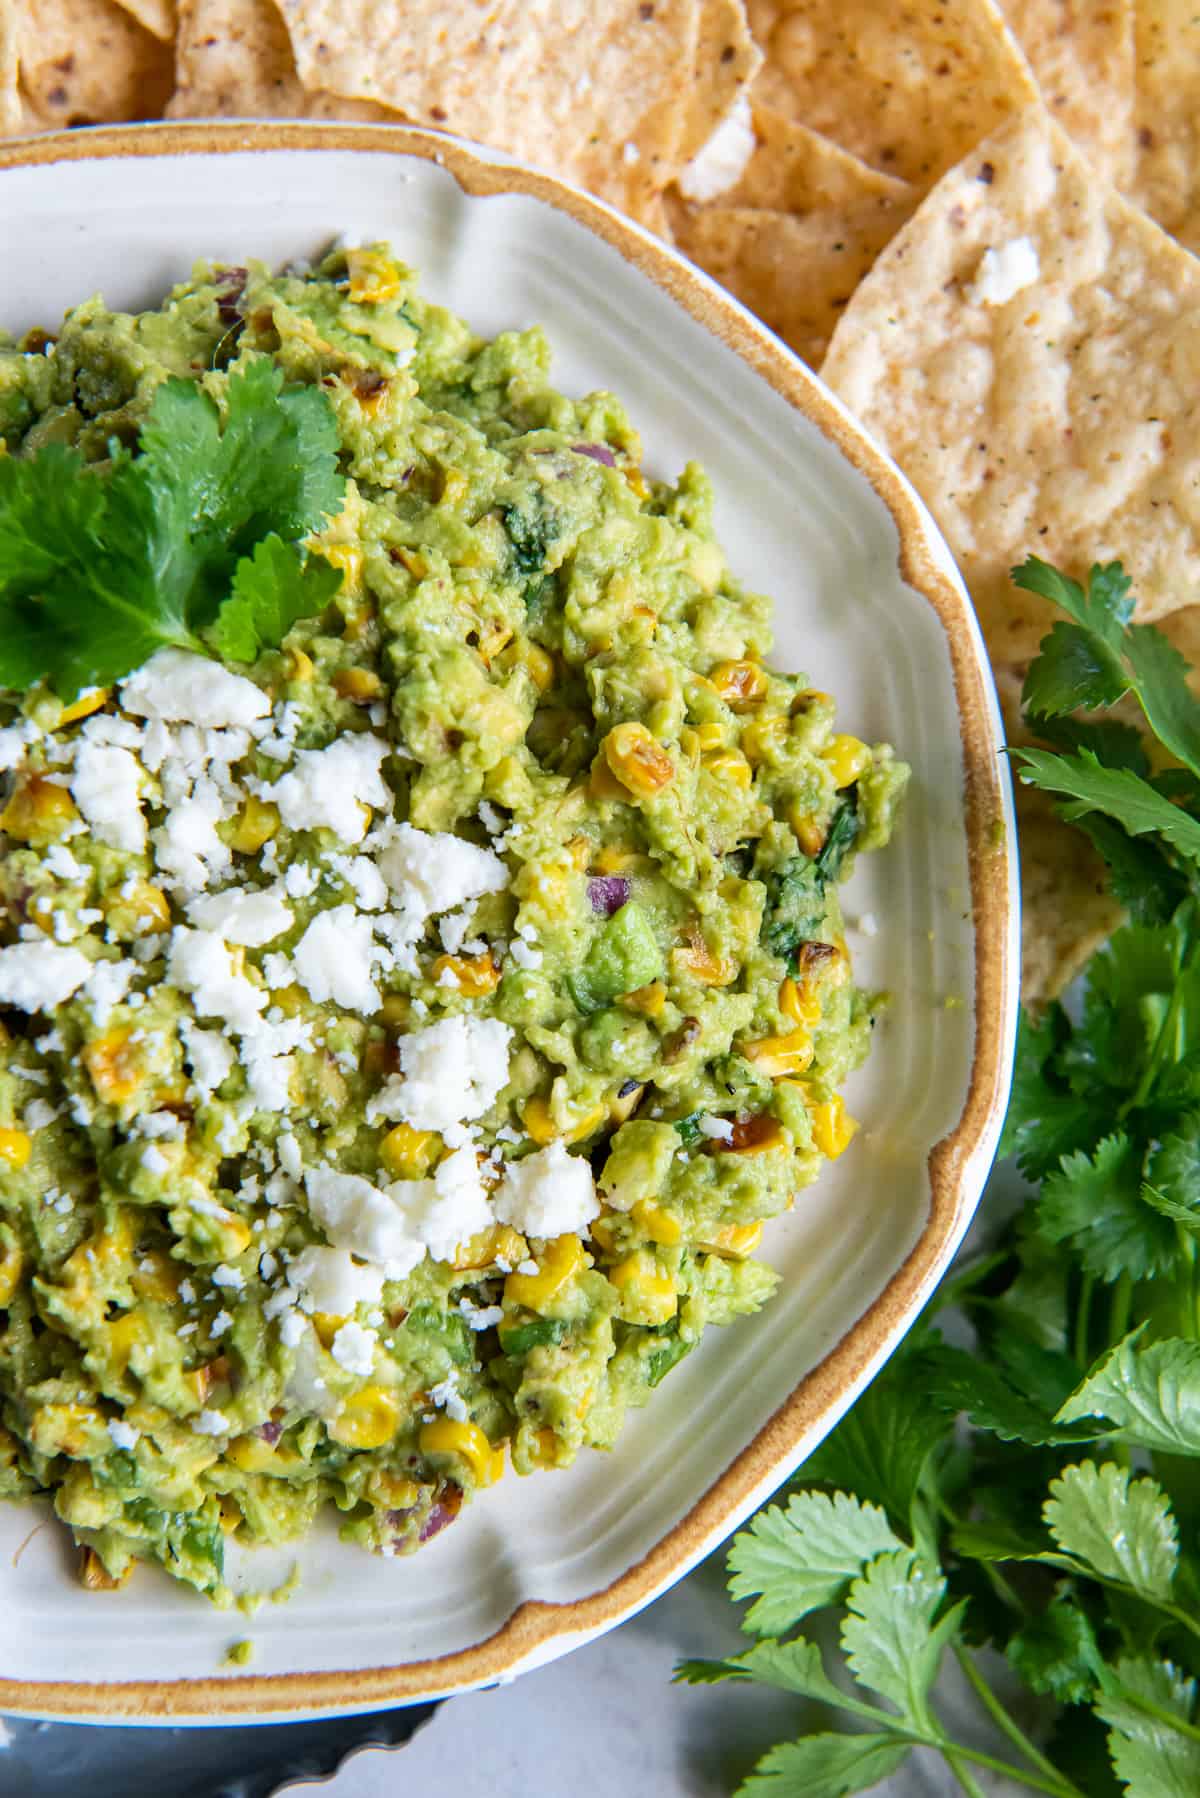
<point>869,605</point>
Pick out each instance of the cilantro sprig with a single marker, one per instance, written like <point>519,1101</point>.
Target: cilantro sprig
<point>1023,1479</point>
<point>194,541</point>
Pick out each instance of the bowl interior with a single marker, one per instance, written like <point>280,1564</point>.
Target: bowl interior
<point>799,522</point>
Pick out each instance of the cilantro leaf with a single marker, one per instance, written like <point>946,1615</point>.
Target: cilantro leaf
<point>793,1560</point>
<point>1119,1527</point>
<point>881,1447</point>
<point>889,1637</point>
<point>47,506</point>
<point>1153,1759</point>
<point>840,839</point>
<point>958,1381</point>
<point>824,1766</point>
<point>1087,786</point>
<point>1104,608</point>
<point>272,589</point>
<point>1056,1652</point>
<point>1115,744</point>
<point>796,906</point>
<point>1095,1203</point>
<point>1171,708</point>
<point>1045,1119</point>
<point>794,1666</point>
<point>1172,1184</point>
<point>1073,671</point>
<point>1150,1395</point>
<point>1141,877</point>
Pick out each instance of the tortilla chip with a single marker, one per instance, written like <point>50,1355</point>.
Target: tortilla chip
<point>1067,911</point>
<point>10,99</point>
<point>568,90</point>
<point>1167,115</point>
<point>85,62</point>
<point>1081,52</point>
<point>797,233</point>
<point>233,59</point>
<point>725,62</point>
<point>909,88</point>
<point>157,16</point>
<point>1063,422</point>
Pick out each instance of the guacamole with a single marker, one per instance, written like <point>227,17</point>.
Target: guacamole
<point>407,1031</point>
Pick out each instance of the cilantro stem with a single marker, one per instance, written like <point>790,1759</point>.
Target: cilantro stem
<point>1083,1319</point>
<point>1004,1720</point>
<point>1167,1030</point>
<point>1122,1304</point>
<point>966,1780</point>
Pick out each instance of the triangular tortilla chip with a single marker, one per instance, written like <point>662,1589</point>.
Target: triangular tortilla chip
<point>726,61</point>
<point>233,59</point>
<point>565,85</point>
<point>910,89</point>
<point>1081,52</point>
<point>1167,115</point>
<point>157,16</point>
<point>797,232</point>
<point>85,62</point>
<point>1062,421</point>
<point>10,99</point>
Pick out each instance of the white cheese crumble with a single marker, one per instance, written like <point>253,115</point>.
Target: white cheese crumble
<point>332,788</point>
<point>242,915</point>
<point>523,955</point>
<point>230,1278</point>
<point>220,1323</point>
<point>1002,273</point>
<point>210,1055</point>
<point>38,976</point>
<point>448,1209</point>
<point>434,871</point>
<point>354,1348</point>
<point>291,1328</point>
<point>177,686</point>
<point>122,1434</point>
<point>330,1280</point>
<point>106,786</point>
<point>723,159</point>
<point>446,1396</point>
<point>363,878</point>
<point>187,848</point>
<point>153,1160</point>
<point>718,1129</point>
<point>199,963</point>
<point>551,1193</point>
<point>480,1317</point>
<point>452,1071</point>
<point>14,740</point>
<point>288,1150</point>
<point>107,985</point>
<point>333,960</point>
<point>357,1215</point>
<point>211,1423</point>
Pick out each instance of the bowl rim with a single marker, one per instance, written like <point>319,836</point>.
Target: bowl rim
<point>529,1634</point>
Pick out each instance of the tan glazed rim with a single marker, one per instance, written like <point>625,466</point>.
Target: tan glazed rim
<point>536,1623</point>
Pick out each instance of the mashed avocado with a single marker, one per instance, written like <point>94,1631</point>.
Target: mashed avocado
<point>405,1035</point>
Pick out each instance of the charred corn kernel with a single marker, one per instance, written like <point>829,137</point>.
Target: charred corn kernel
<point>759,1135</point>
<point>614,860</point>
<point>231,1513</point>
<point>730,766</point>
<point>112,1062</point>
<point>776,1055</point>
<point>636,481</point>
<point>500,1243</point>
<point>150,906</point>
<point>648,620</point>
<point>202,1380</point>
<point>123,1336</point>
<point>297,666</point>
<point>832,1125</point>
<point>657,1224</point>
<point>543,1129</point>
<point>12,1266</point>
<point>639,763</point>
<point>647,1291</point>
<point>65,1429</point>
<point>374,277</point>
<point>742,685</point>
<point>327,1326</point>
<point>349,558</point>
<point>253,1454</point>
<point>800,1003</point>
<point>602,1231</point>
<point>409,1153</point>
<point>734,1240</point>
<point>603,783</point>
<point>695,959</point>
<point>764,737</point>
<point>474,975</point>
<point>649,1000</point>
<point>810,697</point>
<point>625,1104</point>
<point>710,736</point>
<point>38,812</point>
<point>393,1490</point>
<point>258,823</point>
<point>545,1450</point>
<point>16,1146</point>
<point>550,886</point>
<point>494,637</point>
<point>155,1276</point>
<point>807,831</point>
<point>562,1259</point>
<point>359,685</point>
<point>846,758</point>
<point>95,1575</point>
<point>367,1419</point>
<point>455,486</point>
<point>446,1436</point>
<point>84,706</point>
<point>540,665</point>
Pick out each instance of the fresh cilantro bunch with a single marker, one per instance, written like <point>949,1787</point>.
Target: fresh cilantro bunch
<point>194,541</point>
<point>1036,1494</point>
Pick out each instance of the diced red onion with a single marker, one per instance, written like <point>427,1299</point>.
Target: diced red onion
<point>233,281</point>
<point>437,1520</point>
<point>270,1432</point>
<point>599,452</point>
<point>607,893</point>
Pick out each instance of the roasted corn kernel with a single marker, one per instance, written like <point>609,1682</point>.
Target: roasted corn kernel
<point>846,758</point>
<point>648,1293</point>
<point>16,1146</point>
<point>408,1153</point>
<point>446,1436</point>
<point>367,1419</point>
<point>561,1260</point>
<point>742,685</point>
<point>641,765</point>
<point>832,1126</point>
